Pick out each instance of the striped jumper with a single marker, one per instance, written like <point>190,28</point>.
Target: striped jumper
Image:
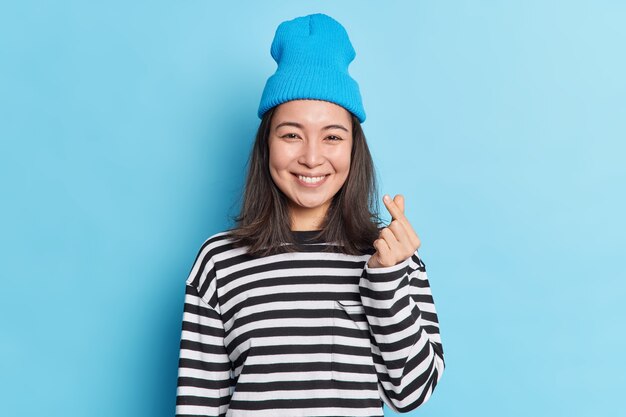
<point>308,333</point>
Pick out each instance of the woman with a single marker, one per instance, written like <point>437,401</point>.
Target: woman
<point>308,307</point>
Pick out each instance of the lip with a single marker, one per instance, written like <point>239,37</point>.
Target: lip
<point>311,185</point>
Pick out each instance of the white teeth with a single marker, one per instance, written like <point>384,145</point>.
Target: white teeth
<point>311,180</point>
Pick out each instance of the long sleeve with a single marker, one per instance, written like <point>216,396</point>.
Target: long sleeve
<point>403,321</point>
<point>204,369</point>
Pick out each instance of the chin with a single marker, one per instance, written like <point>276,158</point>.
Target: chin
<point>309,204</point>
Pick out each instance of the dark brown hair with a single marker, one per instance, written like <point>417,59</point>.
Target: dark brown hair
<point>352,220</point>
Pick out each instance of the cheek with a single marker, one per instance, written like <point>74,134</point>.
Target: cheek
<point>275,175</point>
<point>277,158</point>
<point>342,161</point>
<point>346,162</point>
<point>281,154</point>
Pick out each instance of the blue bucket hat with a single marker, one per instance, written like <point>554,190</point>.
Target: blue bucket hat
<point>313,54</point>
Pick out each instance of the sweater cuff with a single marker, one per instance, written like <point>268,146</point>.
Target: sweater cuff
<point>388,273</point>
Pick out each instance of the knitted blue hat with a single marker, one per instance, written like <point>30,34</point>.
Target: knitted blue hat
<point>313,53</point>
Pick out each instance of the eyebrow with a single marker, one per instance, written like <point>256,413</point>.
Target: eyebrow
<point>298,125</point>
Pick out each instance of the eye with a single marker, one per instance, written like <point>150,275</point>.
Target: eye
<point>290,136</point>
<point>334,138</point>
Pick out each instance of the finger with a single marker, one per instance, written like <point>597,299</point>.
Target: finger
<point>401,234</point>
<point>397,213</point>
<point>399,231</point>
<point>399,200</point>
<point>383,251</point>
<point>396,248</point>
<point>393,208</point>
<point>407,245</point>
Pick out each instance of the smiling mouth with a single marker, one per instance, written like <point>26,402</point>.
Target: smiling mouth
<point>311,181</point>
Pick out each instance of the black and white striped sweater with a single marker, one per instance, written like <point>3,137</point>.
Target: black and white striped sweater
<point>309,333</point>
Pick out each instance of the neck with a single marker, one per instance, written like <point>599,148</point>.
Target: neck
<point>307,218</point>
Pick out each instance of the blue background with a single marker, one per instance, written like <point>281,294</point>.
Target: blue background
<point>125,130</point>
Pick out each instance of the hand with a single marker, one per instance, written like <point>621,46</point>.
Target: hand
<point>396,242</point>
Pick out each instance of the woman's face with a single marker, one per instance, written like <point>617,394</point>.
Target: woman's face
<point>310,142</point>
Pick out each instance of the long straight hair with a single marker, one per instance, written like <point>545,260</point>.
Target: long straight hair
<point>352,220</point>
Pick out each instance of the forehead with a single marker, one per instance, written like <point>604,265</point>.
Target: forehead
<point>313,113</point>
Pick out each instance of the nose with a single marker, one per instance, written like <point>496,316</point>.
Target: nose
<point>312,154</point>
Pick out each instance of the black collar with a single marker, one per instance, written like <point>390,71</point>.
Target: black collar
<point>306,236</point>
